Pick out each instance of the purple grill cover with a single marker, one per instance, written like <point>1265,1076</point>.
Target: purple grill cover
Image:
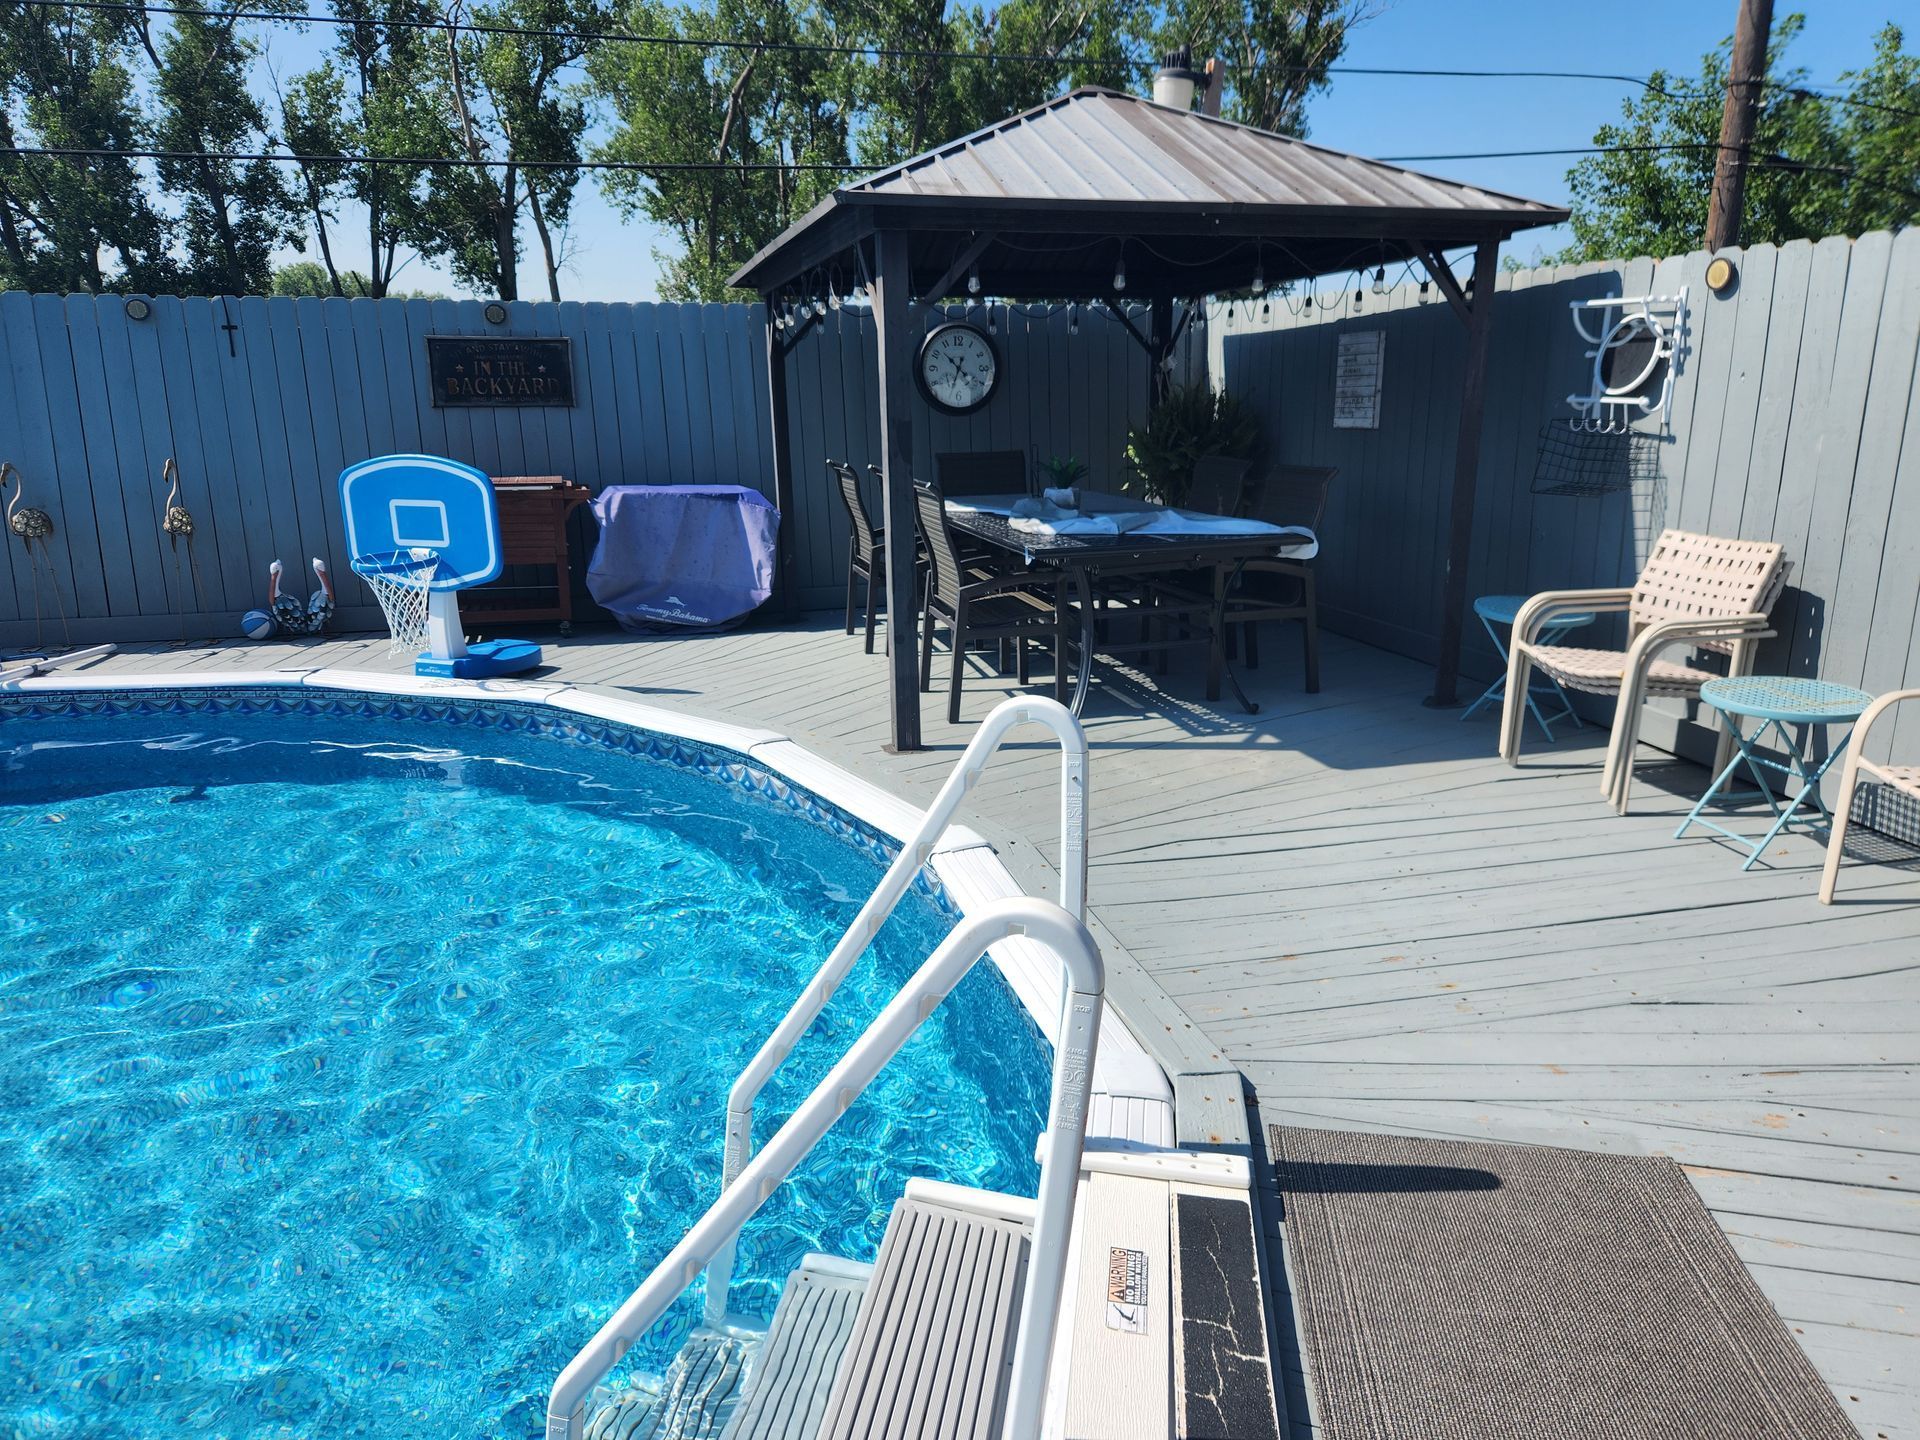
<point>686,556</point>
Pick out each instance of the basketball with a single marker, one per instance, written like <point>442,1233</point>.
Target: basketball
<point>257,625</point>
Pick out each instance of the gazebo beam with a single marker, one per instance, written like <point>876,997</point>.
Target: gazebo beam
<point>1466,470</point>
<point>892,291</point>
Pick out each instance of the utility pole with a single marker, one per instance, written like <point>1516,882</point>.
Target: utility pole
<point>1745,77</point>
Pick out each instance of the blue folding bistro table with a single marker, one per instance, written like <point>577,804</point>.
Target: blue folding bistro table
<point>1777,701</point>
<point>1503,610</point>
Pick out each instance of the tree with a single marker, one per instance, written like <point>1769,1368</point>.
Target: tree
<point>506,101</point>
<point>1277,52</point>
<point>764,114</point>
<point>306,277</point>
<point>1819,165</point>
<point>233,213</point>
<point>74,223</point>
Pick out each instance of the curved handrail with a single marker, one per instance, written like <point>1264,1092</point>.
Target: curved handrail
<point>880,905</point>
<point>1039,920</point>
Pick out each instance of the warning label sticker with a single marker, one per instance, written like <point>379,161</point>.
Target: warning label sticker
<point>1127,1290</point>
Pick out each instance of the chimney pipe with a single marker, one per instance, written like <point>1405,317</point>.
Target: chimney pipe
<point>1174,81</point>
<point>1216,85</point>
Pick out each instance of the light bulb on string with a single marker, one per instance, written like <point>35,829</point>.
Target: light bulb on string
<point>1120,272</point>
<point>973,280</point>
<point>1073,319</point>
<point>1380,280</point>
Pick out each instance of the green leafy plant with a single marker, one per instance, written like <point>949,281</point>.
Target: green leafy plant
<point>1192,421</point>
<point>1063,472</point>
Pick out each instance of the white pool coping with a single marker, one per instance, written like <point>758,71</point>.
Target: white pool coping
<point>1132,1101</point>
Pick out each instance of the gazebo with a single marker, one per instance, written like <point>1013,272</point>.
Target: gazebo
<point>1097,190</point>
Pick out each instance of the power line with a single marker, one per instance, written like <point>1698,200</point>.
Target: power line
<point>1654,84</point>
<point>424,162</point>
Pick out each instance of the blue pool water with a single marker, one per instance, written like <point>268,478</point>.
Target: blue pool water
<point>352,1070</point>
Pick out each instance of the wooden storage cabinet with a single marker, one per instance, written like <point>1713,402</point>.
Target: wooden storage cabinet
<point>534,510</point>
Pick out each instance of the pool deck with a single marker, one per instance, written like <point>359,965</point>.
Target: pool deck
<point>1351,900</point>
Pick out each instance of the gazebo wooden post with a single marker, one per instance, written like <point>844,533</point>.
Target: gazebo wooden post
<point>1477,311</point>
<point>892,292</point>
<point>782,460</point>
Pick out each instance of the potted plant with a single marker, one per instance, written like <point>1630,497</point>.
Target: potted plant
<point>1192,421</point>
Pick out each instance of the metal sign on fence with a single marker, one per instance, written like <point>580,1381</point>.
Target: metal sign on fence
<point>500,370</point>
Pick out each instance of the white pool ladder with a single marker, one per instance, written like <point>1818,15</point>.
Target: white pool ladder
<point>749,1180</point>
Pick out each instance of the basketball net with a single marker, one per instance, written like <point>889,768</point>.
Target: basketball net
<point>401,582</point>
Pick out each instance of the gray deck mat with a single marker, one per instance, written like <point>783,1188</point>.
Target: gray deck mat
<point>794,1375</point>
<point>1480,1291</point>
<point>933,1347</point>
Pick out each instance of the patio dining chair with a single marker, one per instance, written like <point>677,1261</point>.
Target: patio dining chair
<point>1283,590</point>
<point>1010,608</point>
<point>866,548</point>
<point>1903,780</point>
<point>1695,590</point>
<point>982,472</point>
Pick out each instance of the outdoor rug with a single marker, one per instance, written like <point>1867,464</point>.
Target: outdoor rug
<point>1464,1291</point>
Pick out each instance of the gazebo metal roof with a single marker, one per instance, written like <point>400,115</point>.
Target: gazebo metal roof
<point>1196,204</point>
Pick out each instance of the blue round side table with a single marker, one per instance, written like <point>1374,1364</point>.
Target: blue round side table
<point>1503,610</point>
<point>1777,701</point>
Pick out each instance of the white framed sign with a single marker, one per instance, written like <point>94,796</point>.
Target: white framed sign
<point>1357,367</point>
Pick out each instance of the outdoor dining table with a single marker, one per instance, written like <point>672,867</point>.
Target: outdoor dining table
<point>1077,560</point>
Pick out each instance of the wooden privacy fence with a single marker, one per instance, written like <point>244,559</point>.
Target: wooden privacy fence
<point>262,401</point>
<point>1795,417</point>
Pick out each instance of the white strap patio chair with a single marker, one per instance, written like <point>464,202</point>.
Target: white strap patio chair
<point>1697,591</point>
<point>1905,779</point>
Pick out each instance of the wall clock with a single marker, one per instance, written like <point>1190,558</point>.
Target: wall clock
<point>959,368</point>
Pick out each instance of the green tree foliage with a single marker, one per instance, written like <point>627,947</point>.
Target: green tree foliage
<point>67,81</point>
<point>1821,165</point>
<point>1277,51</point>
<point>770,114</point>
<point>766,114</point>
<point>308,277</point>
<point>372,96</point>
<point>506,98</point>
<point>233,214</point>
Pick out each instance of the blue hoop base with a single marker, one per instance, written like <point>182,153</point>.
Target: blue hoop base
<point>484,661</point>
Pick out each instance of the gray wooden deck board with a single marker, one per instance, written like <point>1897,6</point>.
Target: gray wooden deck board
<point>1347,897</point>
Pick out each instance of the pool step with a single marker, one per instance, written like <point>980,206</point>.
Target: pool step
<point>793,1376</point>
<point>932,1350</point>
<point>694,1399</point>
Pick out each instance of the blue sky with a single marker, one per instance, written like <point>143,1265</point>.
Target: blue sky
<point>1378,115</point>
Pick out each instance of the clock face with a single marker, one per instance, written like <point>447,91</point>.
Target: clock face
<point>959,368</point>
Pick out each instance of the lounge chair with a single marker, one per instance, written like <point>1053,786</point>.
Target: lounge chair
<point>1696,590</point>
<point>1904,779</point>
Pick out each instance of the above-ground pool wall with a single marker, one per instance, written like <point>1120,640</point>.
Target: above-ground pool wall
<point>1795,417</point>
<point>263,401</point>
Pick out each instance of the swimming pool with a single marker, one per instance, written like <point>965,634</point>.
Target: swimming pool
<point>359,1055</point>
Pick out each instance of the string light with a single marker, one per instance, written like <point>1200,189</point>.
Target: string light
<point>973,280</point>
<point>1073,319</point>
<point>1380,281</point>
<point>1120,271</point>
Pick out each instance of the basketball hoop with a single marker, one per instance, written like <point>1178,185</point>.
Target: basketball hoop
<point>425,528</point>
<point>401,582</point>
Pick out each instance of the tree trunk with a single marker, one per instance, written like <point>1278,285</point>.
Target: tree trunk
<point>546,239</point>
<point>504,213</point>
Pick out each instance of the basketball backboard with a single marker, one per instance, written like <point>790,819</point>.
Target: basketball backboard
<point>408,502</point>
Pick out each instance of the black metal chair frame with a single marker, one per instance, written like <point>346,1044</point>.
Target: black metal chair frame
<point>1005,607</point>
<point>866,549</point>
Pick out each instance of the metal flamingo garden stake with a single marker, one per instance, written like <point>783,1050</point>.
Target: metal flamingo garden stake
<point>177,522</point>
<point>33,524</point>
